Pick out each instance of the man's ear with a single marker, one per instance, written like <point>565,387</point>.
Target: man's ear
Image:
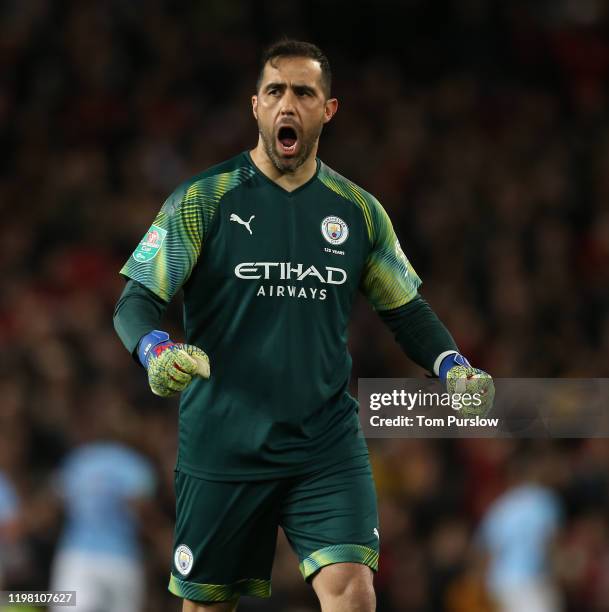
<point>330,109</point>
<point>255,107</point>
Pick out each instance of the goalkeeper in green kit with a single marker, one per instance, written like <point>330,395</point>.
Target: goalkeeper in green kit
<point>270,249</point>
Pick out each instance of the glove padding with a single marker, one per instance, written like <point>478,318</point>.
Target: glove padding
<point>172,369</point>
<point>465,379</point>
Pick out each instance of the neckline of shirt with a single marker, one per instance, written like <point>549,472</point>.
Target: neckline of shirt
<point>284,191</point>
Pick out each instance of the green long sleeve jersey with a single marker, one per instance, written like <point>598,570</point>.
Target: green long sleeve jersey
<point>269,280</point>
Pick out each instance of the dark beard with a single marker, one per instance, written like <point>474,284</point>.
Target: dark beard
<point>288,166</point>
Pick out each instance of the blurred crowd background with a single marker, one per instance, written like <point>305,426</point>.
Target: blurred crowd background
<point>483,128</point>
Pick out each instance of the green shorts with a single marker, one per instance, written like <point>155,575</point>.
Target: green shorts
<point>226,532</point>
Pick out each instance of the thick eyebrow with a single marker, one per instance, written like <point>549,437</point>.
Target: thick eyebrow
<point>305,89</point>
<point>274,86</point>
<point>297,88</point>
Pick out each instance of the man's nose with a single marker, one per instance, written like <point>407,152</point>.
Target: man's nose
<point>287,103</point>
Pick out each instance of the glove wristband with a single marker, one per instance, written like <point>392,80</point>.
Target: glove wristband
<point>156,339</point>
<point>451,361</point>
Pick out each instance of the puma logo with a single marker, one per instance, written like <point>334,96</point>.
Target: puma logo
<point>238,219</point>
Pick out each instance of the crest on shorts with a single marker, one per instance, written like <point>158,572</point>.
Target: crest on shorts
<point>334,230</point>
<point>183,559</point>
<point>150,244</point>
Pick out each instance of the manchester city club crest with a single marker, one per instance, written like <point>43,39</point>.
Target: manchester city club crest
<point>334,230</point>
<point>183,559</point>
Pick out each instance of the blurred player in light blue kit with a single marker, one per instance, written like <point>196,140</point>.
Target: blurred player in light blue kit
<point>101,484</point>
<point>9,514</point>
<point>517,534</point>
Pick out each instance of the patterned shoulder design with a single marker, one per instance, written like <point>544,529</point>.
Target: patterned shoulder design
<point>388,279</point>
<point>350,191</point>
<point>168,252</point>
<point>201,195</point>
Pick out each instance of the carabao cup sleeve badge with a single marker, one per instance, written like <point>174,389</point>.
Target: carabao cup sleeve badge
<point>334,230</point>
<point>150,244</point>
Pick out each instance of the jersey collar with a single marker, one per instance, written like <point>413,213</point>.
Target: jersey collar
<point>274,184</point>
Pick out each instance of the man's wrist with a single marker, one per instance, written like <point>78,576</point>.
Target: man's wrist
<point>449,361</point>
<point>148,342</point>
<point>440,358</point>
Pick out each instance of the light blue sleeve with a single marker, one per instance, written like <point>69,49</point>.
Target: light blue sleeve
<point>553,515</point>
<point>61,481</point>
<point>480,538</point>
<point>138,478</point>
<point>9,502</point>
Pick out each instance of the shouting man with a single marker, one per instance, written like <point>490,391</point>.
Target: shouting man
<point>270,249</point>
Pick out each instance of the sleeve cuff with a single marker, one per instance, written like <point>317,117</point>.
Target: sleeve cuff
<point>440,358</point>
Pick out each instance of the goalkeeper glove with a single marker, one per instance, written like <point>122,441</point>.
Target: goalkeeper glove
<point>170,365</point>
<point>459,376</point>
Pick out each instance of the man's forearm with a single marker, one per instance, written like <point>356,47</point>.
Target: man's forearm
<point>420,333</point>
<point>170,366</point>
<point>137,312</point>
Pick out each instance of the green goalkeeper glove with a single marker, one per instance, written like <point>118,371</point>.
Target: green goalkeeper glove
<point>460,377</point>
<point>171,366</point>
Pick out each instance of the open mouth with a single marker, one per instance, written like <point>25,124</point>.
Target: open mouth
<point>288,139</point>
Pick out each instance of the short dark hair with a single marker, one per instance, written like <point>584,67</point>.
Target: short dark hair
<point>287,47</point>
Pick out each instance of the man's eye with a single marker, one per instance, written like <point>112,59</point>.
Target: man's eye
<point>273,92</point>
